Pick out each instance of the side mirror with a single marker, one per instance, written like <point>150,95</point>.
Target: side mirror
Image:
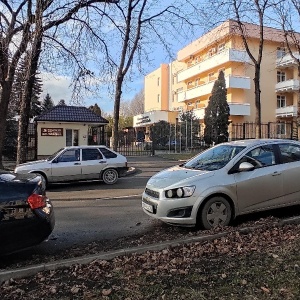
<point>245,166</point>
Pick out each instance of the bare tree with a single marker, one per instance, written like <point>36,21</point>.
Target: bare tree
<point>245,13</point>
<point>133,107</point>
<point>23,25</point>
<point>258,9</point>
<point>139,25</point>
<point>289,17</point>
<point>137,103</point>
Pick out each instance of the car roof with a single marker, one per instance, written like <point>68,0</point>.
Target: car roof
<point>253,142</point>
<point>84,146</point>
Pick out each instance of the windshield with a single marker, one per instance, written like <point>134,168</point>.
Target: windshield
<point>54,154</point>
<point>214,158</point>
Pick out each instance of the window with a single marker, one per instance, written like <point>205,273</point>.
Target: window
<point>91,154</point>
<point>211,76</point>
<point>262,156</point>
<point>211,52</point>
<point>107,153</point>
<point>281,129</point>
<point>221,47</point>
<point>289,152</point>
<point>175,79</point>
<point>158,98</point>
<point>70,155</point>
<point>280,76</point>
<point>280,52</point>
<point>72,137</point>
<point>158,81</point>
<point>281,101</point>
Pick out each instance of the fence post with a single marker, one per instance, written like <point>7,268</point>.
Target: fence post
<point>244,131</point>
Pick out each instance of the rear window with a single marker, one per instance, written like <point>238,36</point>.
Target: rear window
<point>107,153</point>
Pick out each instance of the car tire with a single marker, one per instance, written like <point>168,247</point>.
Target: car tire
<point>110,176</point>
<point>215,212</point>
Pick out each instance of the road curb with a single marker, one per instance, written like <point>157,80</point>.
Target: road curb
<point>32,270</point>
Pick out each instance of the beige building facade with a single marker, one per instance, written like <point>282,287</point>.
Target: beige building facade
<point>186,83</point>
<point>68,126</point>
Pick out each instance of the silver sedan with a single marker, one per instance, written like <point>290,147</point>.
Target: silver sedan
<point>226,181</point>
<point>79,163</point>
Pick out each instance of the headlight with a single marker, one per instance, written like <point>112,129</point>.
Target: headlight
<point>182,192</point>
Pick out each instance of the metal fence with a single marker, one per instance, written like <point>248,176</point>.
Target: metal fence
<point>283,130</point>
<point>173,138</point>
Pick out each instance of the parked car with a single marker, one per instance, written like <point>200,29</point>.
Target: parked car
<point>26,214</point>
<point>79,163</point>
<point>226,181</point>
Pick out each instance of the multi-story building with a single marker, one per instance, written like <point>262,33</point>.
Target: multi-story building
<point>187,83</point>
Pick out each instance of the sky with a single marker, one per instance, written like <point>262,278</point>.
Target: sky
<point>58,87</point>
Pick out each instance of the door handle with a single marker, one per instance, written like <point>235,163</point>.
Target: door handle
<point>102,162</point>
<point>77,163</point>
<point>276,173</point>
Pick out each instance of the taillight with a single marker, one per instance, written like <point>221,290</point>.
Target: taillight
<point>36,201</point>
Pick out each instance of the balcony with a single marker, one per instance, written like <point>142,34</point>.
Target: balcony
<point>212,62</point>
<point>287,61</point>
<point>287,86</point>
<point>288,111</point>
<point>236,82</point>
<point>236,109</point>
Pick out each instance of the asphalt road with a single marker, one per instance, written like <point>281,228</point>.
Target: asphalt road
<point>89,211</point>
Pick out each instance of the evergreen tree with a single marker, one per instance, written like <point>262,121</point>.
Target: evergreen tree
<point>216,118</point>
<point>36,105</point>
<point>47,103</point>
<point>62,102</point>
<point>96,109</point>
<point>18,88</point>
<point>160,134</point>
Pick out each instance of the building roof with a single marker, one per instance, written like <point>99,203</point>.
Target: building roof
<point>64,113</point>
<point>230,28</point>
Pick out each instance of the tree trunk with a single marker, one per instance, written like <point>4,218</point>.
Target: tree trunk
<point>115,129</point>
<point>31,70</point>
<point>298,107</point>
<point>4,100</point>
<point>257,102</point>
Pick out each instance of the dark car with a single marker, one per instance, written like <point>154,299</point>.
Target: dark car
<point>26,214</point>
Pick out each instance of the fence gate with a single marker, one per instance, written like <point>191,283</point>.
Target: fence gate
<point>31,145</point>
<point>130,145</point>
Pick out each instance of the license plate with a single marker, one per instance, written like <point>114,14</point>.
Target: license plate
<point>147,207</point>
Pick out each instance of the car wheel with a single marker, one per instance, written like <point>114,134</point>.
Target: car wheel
<point>110,176</point>
<point>215,212</point>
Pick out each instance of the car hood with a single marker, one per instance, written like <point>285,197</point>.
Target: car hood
<point>36,163</point>
<point>176,176</point>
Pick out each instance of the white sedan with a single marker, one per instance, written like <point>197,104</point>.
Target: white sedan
<point>79,163</point>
